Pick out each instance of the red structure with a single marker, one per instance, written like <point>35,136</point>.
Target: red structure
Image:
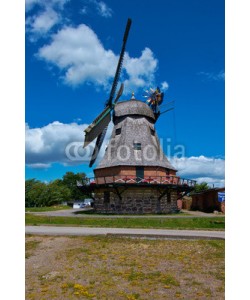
<point>207,201</point>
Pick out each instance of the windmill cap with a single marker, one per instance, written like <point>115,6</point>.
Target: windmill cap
<point>133,107</point>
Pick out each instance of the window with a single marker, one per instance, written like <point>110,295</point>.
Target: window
<point>152,131</point>
<point>137,146</point>
<point>118,131</point>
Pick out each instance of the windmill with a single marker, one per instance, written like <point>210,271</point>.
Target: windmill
<point>134,175</point>
<point>98,128</point>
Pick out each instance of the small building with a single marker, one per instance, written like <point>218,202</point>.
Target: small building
<point>207,201</point>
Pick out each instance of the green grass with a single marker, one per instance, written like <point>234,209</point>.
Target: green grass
<point>47,208</point>
<point>147,222</point>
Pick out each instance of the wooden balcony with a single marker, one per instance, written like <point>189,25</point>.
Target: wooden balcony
<point>120,180</point>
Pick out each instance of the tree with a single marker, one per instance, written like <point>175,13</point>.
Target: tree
<point>57,193</point>
<point>34,192</point>
<point>39,194</point>
<point>69,180</point>
<point>200,187</point>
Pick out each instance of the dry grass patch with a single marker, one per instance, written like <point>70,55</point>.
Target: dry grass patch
<point>30,247</point>
<point>123,268</point>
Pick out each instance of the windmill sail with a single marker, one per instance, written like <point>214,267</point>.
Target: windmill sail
<point>119,93</point>
<point>98,145</point>
<point>99,126</point>
<point>96,128</point>
<point>119,65</point>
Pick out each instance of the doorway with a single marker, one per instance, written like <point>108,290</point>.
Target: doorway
<point>139,173</point>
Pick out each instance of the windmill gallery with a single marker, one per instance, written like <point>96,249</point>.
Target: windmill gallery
<point>134,176</point>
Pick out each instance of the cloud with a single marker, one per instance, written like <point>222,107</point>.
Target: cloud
<point>213,76</point>
<point>29,4</point>
<point>62,143</point>
<point>79,54</point>
<point>84,10</point>
<point>38,166</point>
<point>164,86</point>
<point>216,182</point>
<point>103,9</point>
<point>46,17</point>
<point>201,168</point>
<point>140,71</point>
<point>59,143</point>
<point>47,144</point>
<point>43,22</point>
<point>81,57</point>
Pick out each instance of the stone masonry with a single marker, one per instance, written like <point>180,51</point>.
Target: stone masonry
<point>135,201</point>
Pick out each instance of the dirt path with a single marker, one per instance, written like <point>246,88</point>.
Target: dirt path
<point>115,268</point>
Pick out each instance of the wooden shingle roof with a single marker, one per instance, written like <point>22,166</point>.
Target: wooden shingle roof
<point>134,124</point>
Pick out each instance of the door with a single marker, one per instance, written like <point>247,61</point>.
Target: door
<point>139,173</point>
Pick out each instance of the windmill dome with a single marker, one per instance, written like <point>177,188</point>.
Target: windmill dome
<point>133,107</point>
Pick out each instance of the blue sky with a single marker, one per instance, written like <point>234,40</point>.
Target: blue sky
<point>71,53</point>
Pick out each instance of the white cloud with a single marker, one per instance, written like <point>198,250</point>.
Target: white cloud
<point>29,4</point>
<point>216,182</point>
<point>38,166</point>
<point>201,168</point>
<point>140,71</point>
<point>81,56</point>
<point>43,22</point>
<point>48,15</point>
<point>210,76</point>
<point>47,144</point>
<point>164,86</point>
<point>59,143</point>
<point>103,9</point>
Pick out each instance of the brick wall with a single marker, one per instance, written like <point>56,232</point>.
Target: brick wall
<point>207,201</point>
<point>114,173</point>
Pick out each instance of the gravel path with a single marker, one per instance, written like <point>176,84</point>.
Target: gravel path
<point>162,233</point>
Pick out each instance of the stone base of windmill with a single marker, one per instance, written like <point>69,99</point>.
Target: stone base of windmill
<point>135,201</point>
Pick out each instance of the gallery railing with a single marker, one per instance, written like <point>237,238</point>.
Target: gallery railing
<point>168,179</point>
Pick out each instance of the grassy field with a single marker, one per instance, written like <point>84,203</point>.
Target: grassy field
<point>115,268</point>
<point>47,208</point>
<point>215,223</point>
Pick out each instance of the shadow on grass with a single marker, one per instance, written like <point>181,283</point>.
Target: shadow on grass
<point>92,211</point>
